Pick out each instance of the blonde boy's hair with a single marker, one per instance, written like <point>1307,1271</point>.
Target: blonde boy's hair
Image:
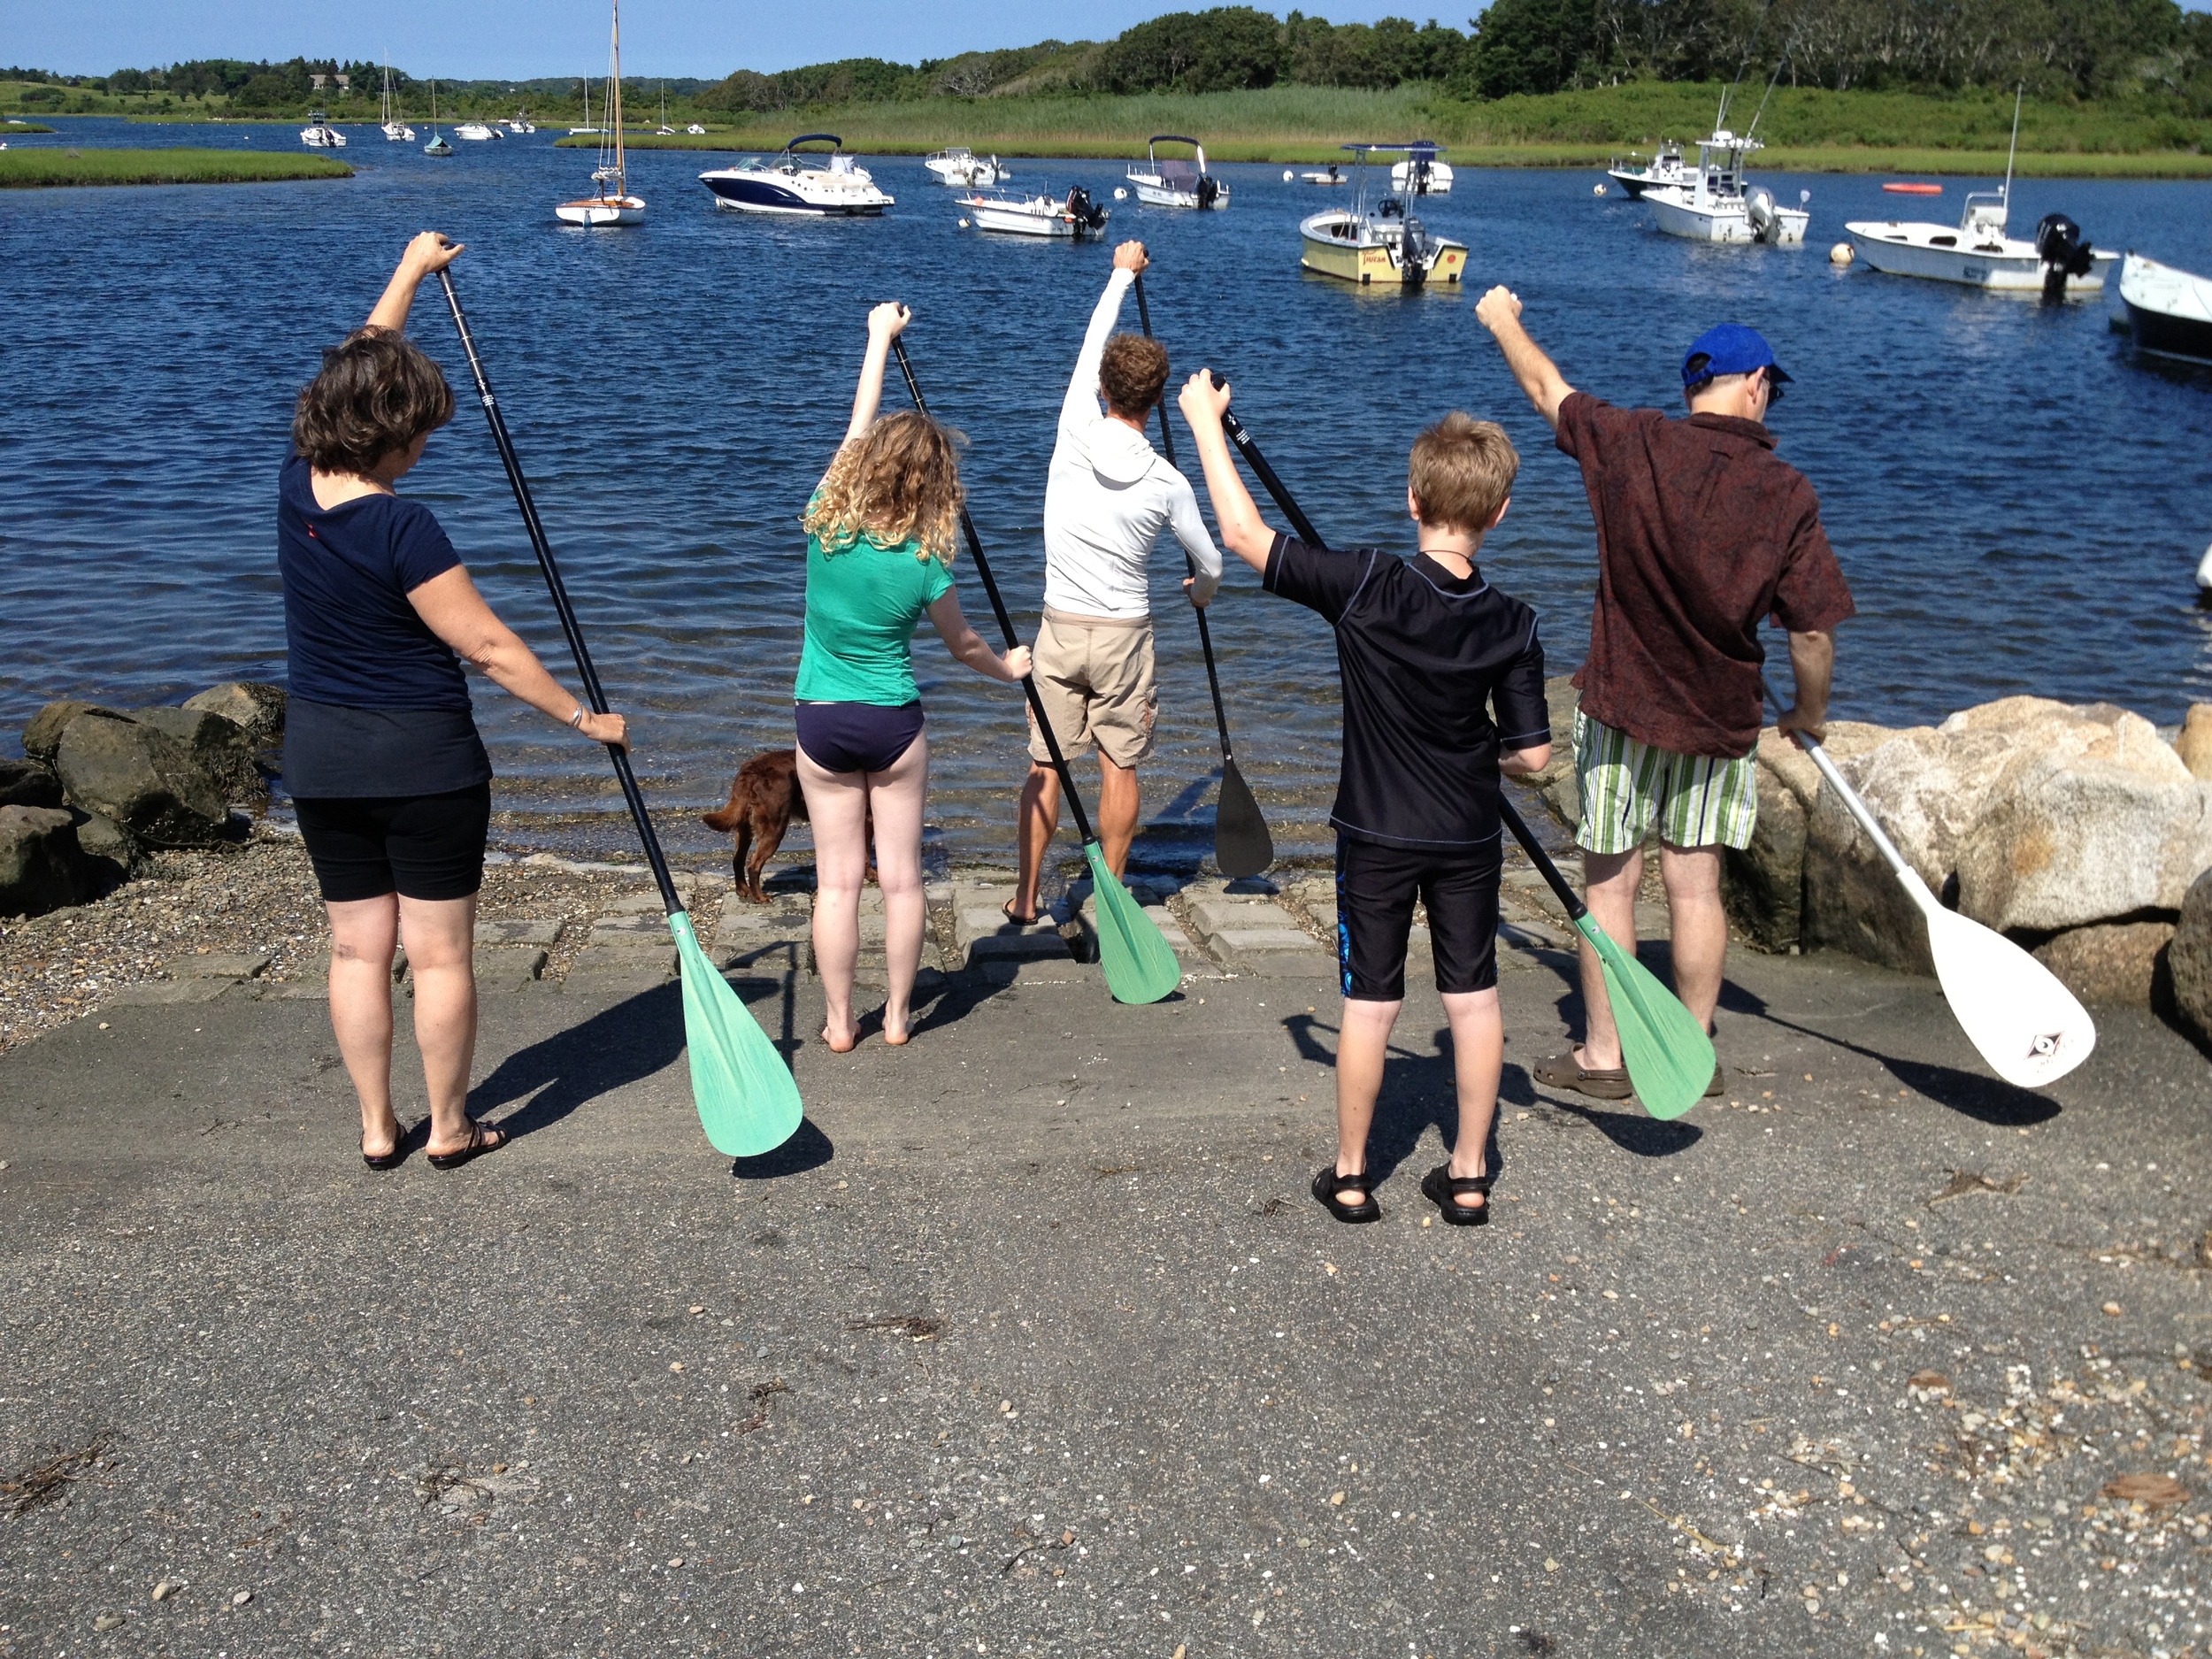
<point>1462,471</point>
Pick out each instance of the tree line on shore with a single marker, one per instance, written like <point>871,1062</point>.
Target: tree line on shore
<point>2060,49</point>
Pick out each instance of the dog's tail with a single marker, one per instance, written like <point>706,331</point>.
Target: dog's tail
<point>727,818</point>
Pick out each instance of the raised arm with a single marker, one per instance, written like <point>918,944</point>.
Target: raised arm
<point>1081,402</point>
<point>1243,532</point>
<point>427,255</point>
<point>1500,311</point>
<point>885,323</point>
<point>457,613</point>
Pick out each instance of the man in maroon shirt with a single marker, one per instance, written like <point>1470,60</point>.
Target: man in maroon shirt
<point>1703,532</point>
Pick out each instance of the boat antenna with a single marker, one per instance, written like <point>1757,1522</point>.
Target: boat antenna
<point>1789,46</point>
<point>2017,93</point>
<point>1750,47</point>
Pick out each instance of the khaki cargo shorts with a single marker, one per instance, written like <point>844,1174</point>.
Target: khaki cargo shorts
<point>1095,676</point>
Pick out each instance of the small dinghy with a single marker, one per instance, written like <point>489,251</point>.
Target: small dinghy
<point>1327,176</point>
<point>1072,217</point>
<point>1174,182</point>
<point>2170,311</point>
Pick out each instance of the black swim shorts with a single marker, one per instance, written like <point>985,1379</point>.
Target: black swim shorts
<point>1376,888</point>
<point>417,846</point>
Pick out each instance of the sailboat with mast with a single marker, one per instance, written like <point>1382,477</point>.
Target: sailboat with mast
<point>615,205</point>
<point>437,146</point>
<point>394,129</point>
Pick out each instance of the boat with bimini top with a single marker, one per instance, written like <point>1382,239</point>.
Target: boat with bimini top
<point>612,204</point>
<point>959,165</point>
<point>1176,180</point>
<point>1421,173</point>
<point>1072,217</point>
<point>1385,243</point>
<point>1975,252</point>
<point>790,182</point>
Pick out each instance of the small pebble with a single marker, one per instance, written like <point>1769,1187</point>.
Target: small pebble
<point>2112,1308</point>
<point>107,1621</point>
<point>165,1590</point>
<point>242,1598</point>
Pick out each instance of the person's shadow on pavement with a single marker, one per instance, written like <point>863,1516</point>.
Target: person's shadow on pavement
<point>571,1069</point>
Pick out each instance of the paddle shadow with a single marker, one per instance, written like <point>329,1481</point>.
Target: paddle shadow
<point>1987,1100</point>
<point>1418,1091</point>
<point>614,1047</point>
<point>809,1148</point>
<point>1645,1137</point>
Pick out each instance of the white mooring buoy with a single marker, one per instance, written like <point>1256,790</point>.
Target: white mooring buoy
<point>1597,189</point>
<point>2204,573</point>
<point>1841,254</point>
<point>1288,175</point>
<point>1120,195</point>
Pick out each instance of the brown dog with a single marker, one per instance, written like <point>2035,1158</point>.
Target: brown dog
<point>765,799</point>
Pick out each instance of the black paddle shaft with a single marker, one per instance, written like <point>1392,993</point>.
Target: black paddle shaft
<point>1205,634</point>
<point>593,695</point>
<point>1005,624</point>
<point>1311,537</point>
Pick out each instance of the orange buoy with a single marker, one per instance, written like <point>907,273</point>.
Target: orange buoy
<point>1914,190</point>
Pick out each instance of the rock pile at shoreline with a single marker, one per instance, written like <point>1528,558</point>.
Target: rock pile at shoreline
<point>100,787</point>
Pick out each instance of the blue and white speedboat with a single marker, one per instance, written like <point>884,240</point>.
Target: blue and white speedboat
<point>790,182</point>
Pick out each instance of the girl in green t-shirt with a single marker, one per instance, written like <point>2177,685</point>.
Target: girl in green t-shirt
<point>880,530</point>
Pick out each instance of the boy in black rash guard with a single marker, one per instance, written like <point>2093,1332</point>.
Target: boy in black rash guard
<point>1443,689</point>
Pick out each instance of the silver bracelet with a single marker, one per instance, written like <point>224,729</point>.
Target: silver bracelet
<point>577,719</point>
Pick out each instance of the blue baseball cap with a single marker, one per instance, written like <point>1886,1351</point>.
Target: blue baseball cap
<point>1729,348</point>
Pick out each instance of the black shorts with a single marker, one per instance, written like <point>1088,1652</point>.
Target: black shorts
<point>857,736</point>
<point>419,845</point>
<point>1376,887</point>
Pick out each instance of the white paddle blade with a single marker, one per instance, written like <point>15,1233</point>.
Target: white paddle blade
<point>2031,1028</point>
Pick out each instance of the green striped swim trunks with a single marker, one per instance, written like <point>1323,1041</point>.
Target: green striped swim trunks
<point>1628,786</point>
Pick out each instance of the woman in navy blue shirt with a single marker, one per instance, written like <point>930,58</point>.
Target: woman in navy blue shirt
<point>382,756</point>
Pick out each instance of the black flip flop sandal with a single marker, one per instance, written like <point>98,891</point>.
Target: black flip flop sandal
<point>479,1143</point>
<point>1328,1183</point>
<point>1444,1189</point>
<point>387,1160</point>
<point>1007,910</point>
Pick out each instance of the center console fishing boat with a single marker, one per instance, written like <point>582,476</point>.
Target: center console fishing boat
<point>1421,173</point>
<point>788,182</point>
<point>320,134</point>
<point>1975,252</point>
<point>1074,216</point>
<point>1714,204</point>
<point>1176,181</point>
<point>1385,243</point>
<point>1663,170</point>
<point>960,166</point>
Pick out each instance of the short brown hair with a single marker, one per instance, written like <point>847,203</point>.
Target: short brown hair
<point>1133,373</point>
<point>1462,471</point>
<point>899,482</point>
<point>376,393</point>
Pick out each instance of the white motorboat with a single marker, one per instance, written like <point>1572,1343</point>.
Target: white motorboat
<point>1384,245</point>
<point>612,202</point>
<point>787,184</point>
<point>1421,173</point>
<point>1715,204</point>
<point>1977,252</point>
<point>1176,181</point>
<point>320,134</point>
<point>1330,174</point>
<point>962,166</point>
<point>1072,217</point>
<point>477,132</point>
<point>521,124</point>
<point>2170,311</point>
<point>1662,171</point>
<point>394,129</point>
<point>696,130</point>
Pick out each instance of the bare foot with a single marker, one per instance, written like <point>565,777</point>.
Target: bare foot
<point>850,1040</point>
<point>897,1038</point>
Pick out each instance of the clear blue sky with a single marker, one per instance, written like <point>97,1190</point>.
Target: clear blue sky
<point>520,39</point>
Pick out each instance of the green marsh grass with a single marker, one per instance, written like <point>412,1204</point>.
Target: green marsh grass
<point>47,167</point>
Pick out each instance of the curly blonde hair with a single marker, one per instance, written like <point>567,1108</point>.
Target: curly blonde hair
<point>898,482</point>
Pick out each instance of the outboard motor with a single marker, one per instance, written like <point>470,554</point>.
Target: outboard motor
<point>1088,215</point>
<point>1417,176</point>
<point>2064,251</point>
<point>1415,251</point>
<point>1209,189</point>
<point>1758,206</point>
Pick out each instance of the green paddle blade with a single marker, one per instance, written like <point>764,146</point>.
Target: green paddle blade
<point>1140,964</point>
<point>748,1101</point>
<point>1669,1056</point>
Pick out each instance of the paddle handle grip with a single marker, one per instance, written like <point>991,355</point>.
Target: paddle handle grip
<point>1205,633</point>
<point>1005,622</point>
<point>594,695</point>
<point>1849,796</point>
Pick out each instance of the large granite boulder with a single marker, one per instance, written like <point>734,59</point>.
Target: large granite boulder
<point>2189,957</point>
<point>249,703</point>
<point>41,867</point>
<point>2194,745</point>
<point>1764,885</point>
<point>142,778</point>
<point>1557,782</point>
<point>112,851</point>
<point>219,746</point>
<point>2068,840</point>
<point>28,783</point>
<point>42,736</point>
<point>2120,962</point>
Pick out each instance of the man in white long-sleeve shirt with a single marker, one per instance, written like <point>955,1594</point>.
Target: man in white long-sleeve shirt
<point>1108,497</point>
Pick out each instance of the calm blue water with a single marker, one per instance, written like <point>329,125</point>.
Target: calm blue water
<point>2019,507</point>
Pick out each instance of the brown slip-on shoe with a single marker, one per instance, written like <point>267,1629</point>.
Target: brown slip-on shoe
<point>1561,1071</point>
